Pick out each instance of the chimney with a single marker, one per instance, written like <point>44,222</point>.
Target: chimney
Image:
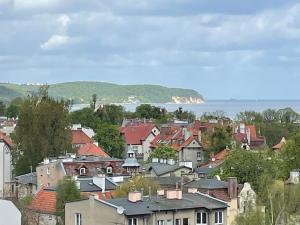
<point>192,190</point>
<point>174,194</point>
<point>77,184</point>
<point>200,136</point>
<point>134,196</point>
<point>100,181</point>
<point>232,187</point>
<point>248,134</point>
<point>161,192</point>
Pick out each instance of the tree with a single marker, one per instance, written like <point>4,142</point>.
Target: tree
<point>270,116</point>
<point>66,191</point>
<point>137,183</point>
<point>250,218</point>
<point>287,115</point>
<point>112,114</point>
<point>86,117</point>
<point>109,138</point>
<point>249,117</point>
<point>184,115</point>
<point>163,152</point>
<point>13,110</point>
<point>43,130</point>
<point>2,108</point>
<point>220,138</point>
<point>148,111</point>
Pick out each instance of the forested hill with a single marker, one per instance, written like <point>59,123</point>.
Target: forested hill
<point>81,92</point>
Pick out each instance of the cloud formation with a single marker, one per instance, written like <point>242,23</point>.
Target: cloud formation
<point>210,41</point>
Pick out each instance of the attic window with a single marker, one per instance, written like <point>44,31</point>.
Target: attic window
<point>82,171</point>
<point>109,170</point>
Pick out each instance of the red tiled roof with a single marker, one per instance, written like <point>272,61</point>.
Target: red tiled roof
<point>6,139</point>
<point>222,154</point>
<point>280,144</point>
<point>79,137</point>
<point>220,194</point>
<point>92,149</point>
<point>135,134</point>
<point>44,201</point>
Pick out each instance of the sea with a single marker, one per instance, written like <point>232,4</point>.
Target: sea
<point>229,107</point>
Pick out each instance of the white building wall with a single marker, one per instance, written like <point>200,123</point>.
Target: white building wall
<point>5,167</point>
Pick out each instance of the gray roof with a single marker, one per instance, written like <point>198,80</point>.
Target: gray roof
<point>170,181</point>
<point>29,178</point>
<point>131,162</point>
<point>207,184</point>
<point>188,201</point>
<point>162,168</point>
<point>204,170</point>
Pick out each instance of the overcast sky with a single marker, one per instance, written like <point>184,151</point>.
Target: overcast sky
<point>224,49</point>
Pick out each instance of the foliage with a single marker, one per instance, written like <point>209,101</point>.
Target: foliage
<point>86,117</point>
<point>220,138</point>
<point>109,138</point>
<point>184,115</point>
<point>249,117</point>
<point>250,167</point>
<point>137,183</point>
<point>219,114</point>
<point>27,200</point>
<point>163,152</point>
<point>66,191</point>
<point>250,218</point>
<point>291,154</point>
<point>2,108</point>
<point>112,114</point>
<point>81,92</point>
<point>42,131</point>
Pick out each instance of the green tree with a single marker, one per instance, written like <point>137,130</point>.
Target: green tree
<point>43,130</point>
<point>249,117</point>
<point>2,108</point>
<point>66,191</point>
<point>86,117</point>
<point>148,111</point>
<point>253,217</point>
<point>112,114</point>
<point>163,152</point>
<point>180,114</point>
<point>109,137</point>
<point>137,183</point>
<point>220,138</point>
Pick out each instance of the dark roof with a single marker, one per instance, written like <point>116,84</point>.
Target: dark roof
<point>207,184</point>
<point>172,180</point>
<point>162,168</point>
<point>188,201</point>
<point>29,178</point>
<point>204,170</point>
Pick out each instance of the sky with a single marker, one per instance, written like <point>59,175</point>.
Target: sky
<point>224,49</point>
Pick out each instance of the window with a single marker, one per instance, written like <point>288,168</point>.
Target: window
<point>135,148</point>
<point>199,156</point>
<point>145,221</point>
<point>132,221</point>
<point>185,221</point>
<point>109,170</point>
<point>78,219</point>
<point>169,222</point>
<point>178,222</point>
<point>201,218</point>
<point>218,217</point>
<point>82,171</point>
<point>160,222</point>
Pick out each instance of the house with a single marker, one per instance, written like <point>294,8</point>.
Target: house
<point>280,145</point>
<point>90,149</point>
<point>139,136</point>
<point>185,141</point>
<point>24,185</point>
<point>237,196</point>
<point>9,213</point>
<point>51,170</point>
<point>160,169</point>
<point>164,208</point>
<point>6,165</point>
<point>42,210</point>
<point>246,135</point>
<point>215,162</point>
<point>88,131</point>
<point>80,138</point>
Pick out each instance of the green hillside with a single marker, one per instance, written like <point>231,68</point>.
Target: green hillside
<point>81,92</point>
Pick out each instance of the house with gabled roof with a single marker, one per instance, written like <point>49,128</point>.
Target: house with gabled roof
<point>139,136</point>
<point>185,141</point>
<point>90,149</point>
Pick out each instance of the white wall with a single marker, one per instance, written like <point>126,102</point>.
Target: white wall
<point>5,166</point>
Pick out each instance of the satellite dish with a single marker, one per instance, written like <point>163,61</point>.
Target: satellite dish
<point>120,210</point>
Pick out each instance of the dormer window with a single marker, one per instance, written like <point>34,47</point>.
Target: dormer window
<point>82,171</point>
<point>109,170</point>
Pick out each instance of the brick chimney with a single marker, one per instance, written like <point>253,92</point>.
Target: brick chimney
<point>134,196</point>
<point>232,187</point>
<point>174,194</point>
